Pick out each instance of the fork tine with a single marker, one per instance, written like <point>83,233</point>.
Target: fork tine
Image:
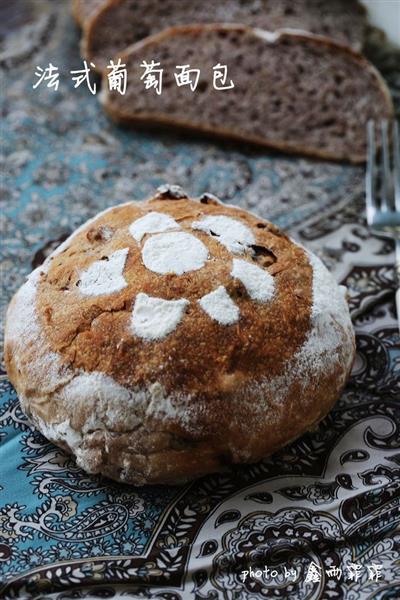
<point>370,174</point>
<point>385,163</point>
<point>396,164</point>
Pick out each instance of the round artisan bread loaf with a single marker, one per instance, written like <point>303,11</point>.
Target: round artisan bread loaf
<point>170,338</point>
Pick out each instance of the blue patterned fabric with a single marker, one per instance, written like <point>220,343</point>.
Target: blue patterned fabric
<point>331,497</point>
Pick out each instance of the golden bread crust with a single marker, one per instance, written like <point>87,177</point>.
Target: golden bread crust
<point>205,394</point>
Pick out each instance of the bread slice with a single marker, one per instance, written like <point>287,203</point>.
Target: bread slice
<point>121,23</point>
<point>293,91</point>
<point>83,10</point>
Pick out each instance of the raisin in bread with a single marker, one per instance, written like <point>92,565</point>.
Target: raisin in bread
<point>170,338</point>
<point>121,23</point>
<point>293,92</point>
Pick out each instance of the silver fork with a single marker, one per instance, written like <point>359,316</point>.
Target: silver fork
<point>383,207</point>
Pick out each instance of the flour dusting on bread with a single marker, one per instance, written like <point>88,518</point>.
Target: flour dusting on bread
<point>154,318</point>
<point>233,234</point>
<point>105,276</point>
<point>176,253</point>
<point>200,359</point>
<point>153,222</point>
<point>220,307</point>
<point>259,284</point>
<point>31,353</point>
<point>330,329</point>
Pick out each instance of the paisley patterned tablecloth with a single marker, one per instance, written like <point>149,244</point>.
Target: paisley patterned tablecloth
<point>328,502</point>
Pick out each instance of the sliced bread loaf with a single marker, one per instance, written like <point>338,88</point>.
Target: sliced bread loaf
<point>292,91</point>
<point>121,23</point>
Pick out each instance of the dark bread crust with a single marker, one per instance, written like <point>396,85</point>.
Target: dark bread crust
<point>121,23</point>
<point>376,106</point>
<point>84,10</point>
<point>196,401</point>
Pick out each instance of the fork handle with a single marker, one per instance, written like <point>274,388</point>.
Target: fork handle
<point>397,280</point>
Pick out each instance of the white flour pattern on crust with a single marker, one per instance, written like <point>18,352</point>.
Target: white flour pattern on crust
<point>220,306</point>
<point>105,276</point>
<point>231,233</point>
<point>167,251</point>
<point>179,252</point>
<point>154,318</point>
<point>259,284</point>
<point>107,400</point>
<point>153,222</point>
<point>175,252</point>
